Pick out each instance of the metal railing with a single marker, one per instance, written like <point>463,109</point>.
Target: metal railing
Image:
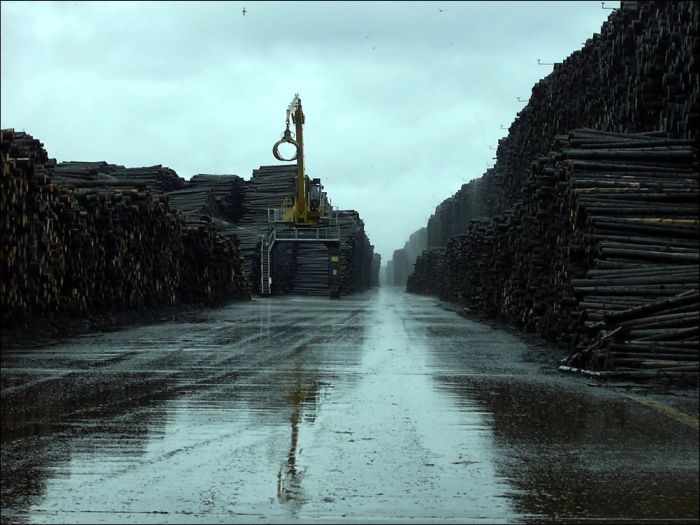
<point>331,233</point>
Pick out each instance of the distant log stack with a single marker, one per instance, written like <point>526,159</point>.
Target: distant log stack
<point>399,268</point>
<point>92,236</point>
<point>428,277</point>
<point>401,265</point>
<point>606,222</point>
<point>374,273</point>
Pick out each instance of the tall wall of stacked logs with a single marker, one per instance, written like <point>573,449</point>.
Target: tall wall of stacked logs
<point>83,237</point>
<point>78,240</point>
<point>586,229</point>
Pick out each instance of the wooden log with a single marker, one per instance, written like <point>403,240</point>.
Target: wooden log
<point>682,299</point>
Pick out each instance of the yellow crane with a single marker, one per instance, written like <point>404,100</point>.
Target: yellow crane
<point>310,201</point>
<point>309,216</point>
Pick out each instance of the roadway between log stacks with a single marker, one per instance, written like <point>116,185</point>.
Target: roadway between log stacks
<point>381,407</point>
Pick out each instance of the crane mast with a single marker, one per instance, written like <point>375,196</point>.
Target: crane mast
<point>309,201</point>
<point>300,204</point>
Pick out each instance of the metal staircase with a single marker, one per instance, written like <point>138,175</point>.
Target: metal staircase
<point>268,240</point>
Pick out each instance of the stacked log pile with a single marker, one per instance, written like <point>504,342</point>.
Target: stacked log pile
<point>284,267</point>
<point>86,242</point>
<point>428,276</point>
<point>267,188</point>
<point>633,205</point>
<point>225,195</point>
<point>212,264</point>
<point>158,178</point>
<point>238,209</point>
<point>76,173</point>
<point>639,74</point>
<point>452,215</point>
<point>79,173</point>
<point>607,222</point>
<point>33,255</point>
<point>356,253</point>
<point>241,208</point>
<point>655,339</point>
<point>194,201</point>
<point>376,265</point>
<point>401,266</point>
<point>311,271</point>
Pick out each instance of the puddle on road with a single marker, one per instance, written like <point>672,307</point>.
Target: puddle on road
<point>375,413</point>
<point>574,458</point>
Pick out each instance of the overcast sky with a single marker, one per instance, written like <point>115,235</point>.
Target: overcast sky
<point>403,100</point>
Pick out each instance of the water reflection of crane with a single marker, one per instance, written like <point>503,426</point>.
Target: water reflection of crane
<point>288,477</point>
<point>304,394</point>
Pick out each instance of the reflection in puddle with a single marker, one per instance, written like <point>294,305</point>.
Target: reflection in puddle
<point>289,478</point>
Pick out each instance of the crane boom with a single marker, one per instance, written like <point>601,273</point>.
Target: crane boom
<point>300,204</point>
<point>309,200</point>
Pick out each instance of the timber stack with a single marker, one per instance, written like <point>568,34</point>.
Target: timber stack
<point>603,219</point>
<point>225,195</point>
<point>401,264</point>
<point>311,272</point>
<point>646,341</point>
<point>639,73</point>
<point>429,272</point>
<point>356,253</point>
<point>81,174</point>
<point>607,222</point>
<point>267,188</point>
<point>94,238</point>
<point>374,270</point>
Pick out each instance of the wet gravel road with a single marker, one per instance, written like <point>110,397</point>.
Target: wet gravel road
<point>380,407</point>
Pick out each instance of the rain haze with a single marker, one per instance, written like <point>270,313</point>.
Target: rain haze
<point>404,101</point>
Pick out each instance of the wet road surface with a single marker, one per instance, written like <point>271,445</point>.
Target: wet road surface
<point>380,407</point>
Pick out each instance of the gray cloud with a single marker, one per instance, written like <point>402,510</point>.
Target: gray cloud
<point>402,101</point>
